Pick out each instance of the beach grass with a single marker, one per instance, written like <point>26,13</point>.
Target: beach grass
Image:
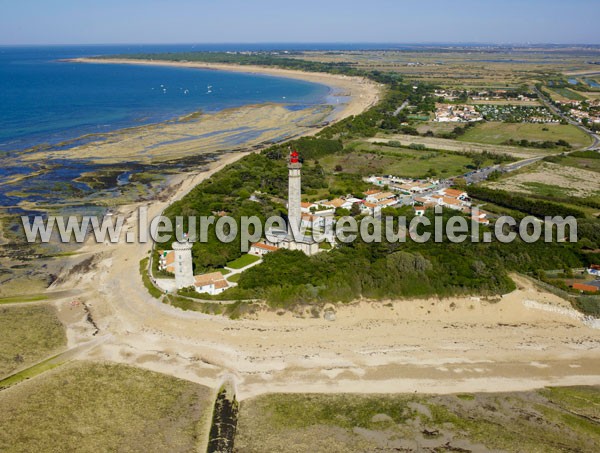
<point>29,334</point>
<point>88,407</point>
<point>556,419</point>
<point>23,299</point>
<point>153,290</point>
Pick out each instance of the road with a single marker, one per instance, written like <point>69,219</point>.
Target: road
<point>402,107</point>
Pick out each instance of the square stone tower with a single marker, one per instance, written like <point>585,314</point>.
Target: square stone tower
<point>184,273</point>
<point>294,191</point>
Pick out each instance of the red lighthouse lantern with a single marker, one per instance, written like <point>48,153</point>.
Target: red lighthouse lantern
<point>294,157</point>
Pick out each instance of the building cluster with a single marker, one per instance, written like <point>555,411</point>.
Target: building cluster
<point>583,111</point>
<point>588,286</point>
<point>455,199</point>
<point>406,186</point>
<point>179,262</point>
<point>451,113</point>
<point>484,95</point>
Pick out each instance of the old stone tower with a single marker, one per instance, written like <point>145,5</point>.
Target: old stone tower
<point>184,273</point>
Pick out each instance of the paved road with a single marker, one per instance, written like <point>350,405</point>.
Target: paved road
<point>402,107</point>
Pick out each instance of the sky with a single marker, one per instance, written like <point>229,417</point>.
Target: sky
<point>301,21</point>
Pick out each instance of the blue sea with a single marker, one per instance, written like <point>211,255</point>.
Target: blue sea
<point>45,101</point>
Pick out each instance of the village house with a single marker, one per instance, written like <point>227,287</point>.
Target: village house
<point>307,208</point>
<point>260,249</point>
<point>335,203</point>
<point>445,113</point>
<point>166,261</point>
<point>594,269</point>
<point>213,283</point>
<point>454,193</point>
<point>379,197</point>
<point>589,287</point>
<point>313,222</point>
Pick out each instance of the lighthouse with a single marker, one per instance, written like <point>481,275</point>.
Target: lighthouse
<point>184,274</point>
<point>293,238</point>
<point>294,192</point>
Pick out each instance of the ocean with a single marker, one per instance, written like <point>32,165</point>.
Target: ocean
<point>46,101</point>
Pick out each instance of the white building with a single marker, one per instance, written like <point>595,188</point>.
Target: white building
<point>213,283</point>
<point>261,249</point>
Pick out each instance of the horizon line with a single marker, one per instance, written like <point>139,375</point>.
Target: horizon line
<point>370,43</point>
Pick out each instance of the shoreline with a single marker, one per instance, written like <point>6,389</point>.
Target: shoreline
<point>363,93</point>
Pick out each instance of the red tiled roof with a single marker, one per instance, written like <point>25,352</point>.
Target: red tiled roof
<point>262,245</point>
<point>584,287</point>
<point>214,278</point>
<point>337,203</point>
<point>454,193</point>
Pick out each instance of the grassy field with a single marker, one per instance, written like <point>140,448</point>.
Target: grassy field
<point>29,335</point>
<point>495,133</point>
<point>461,69</point>
<point>587,160</point>
<point>243,261</point>
<point>368,159</point>
<point>568,94</point>
<point>457,146</point>
<point>89,407</point>
<point>548,179</point>
<point>436,128</point>
<point>22,299</point>
<point>234,278</point>
<point>558,419</point>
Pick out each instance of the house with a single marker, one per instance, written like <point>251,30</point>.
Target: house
<point>454,193</point>
<point>213,283</point>
<point>312,221</point>
<point>261,249</point>
<point>351,201</point>
<point>419,210</point>
<point>481,218</point>
<point>335,203</point>
<point>590,287</point>
<point>387,203</point>
<point>307,208</point>
<point>594,269</point>
<point>450,202</point>
<point>166,261</point>
<point>380,196</point>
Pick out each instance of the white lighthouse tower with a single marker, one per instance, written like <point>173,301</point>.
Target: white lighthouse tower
<point>184,273</point>
<point>294,192</point>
